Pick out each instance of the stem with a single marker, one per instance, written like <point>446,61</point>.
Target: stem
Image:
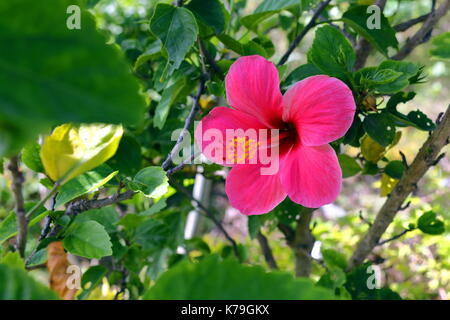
<point>303,243</point>
<point>305,30</point>
<point>51,193</point>
<point>267,251</point>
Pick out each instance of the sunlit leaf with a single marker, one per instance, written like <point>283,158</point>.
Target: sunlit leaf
<point>74,149</point>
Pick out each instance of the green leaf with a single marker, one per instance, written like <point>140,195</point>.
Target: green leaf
<point>224,280</point>
<point>106,216</point>
<point>380,128</point>
<point>382,38</point>
<point>428,223</point>
<point>51,75</point>
<point>8,227</point>
<point>441,46</point>
<point>371,77</point>
<point>408,70</point>
<point>269,7</point>
<point>254,224</point>
<point>348,165</point>
<point>152,234</point>
<point>416,118</point>
<point>333,258</point>
<point>169,96</point>
<point>177,30</point>
<point>83,184</point>
<point>394,169</point>
<point>16,284</point>
<point>210,13</point>
<point>357,285</point>
<point>14,260</point>
<point>151,181</point>
<point>300,73</point>
<point>31,157</point>
<point>128,157</point>
<point>243,49</point>
<point>88,239</point>
<point>331,52</point>
<point>92,277</point>
<point>152,51</point>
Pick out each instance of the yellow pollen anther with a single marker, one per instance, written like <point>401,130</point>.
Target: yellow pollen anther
<point>241,149</point>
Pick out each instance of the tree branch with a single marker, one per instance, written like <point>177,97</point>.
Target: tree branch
<point>16,187</point>
<point>424,159</point>
<point>423,34</point>
<point>267,251</point>
<point>305,30</point>
<point>187,124</point>
<point>408,24</point>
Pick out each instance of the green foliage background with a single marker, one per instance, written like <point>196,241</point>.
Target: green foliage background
<point>146,78</point>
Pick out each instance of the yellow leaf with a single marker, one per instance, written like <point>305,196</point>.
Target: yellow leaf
<point>387,184</point>
<point>73,149</point>
<point>371,150</point>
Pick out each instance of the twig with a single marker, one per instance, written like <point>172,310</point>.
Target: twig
<point>267,251</point>
<point>422,162</point>
<point>208,214</point>
<point>408,24</point>
<point>401,234</point>
<point>16,187</point>
<point>210,59</point>
<point>423,34</point>
<point>364,219</point>
<point>79,206</point>
<point>48,221</point>
<point>183,164</point>
<point>305,30</point>
<point>404,160</point>
<point>187,124</point>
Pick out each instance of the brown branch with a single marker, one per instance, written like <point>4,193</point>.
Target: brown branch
<point>303,243</point>
<point>424,159</point>
<point>267,251</point>
<point>423,34</point>
<point>184,163</point>
<point>79,206</point>
<point>305,30</point>
<point>408,24</point>
<point>16,187</point>
<point>187,124</point>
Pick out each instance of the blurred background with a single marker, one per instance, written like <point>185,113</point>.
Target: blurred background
<point>417,266</point>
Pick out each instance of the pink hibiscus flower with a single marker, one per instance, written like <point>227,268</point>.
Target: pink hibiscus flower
<point>311,114</point>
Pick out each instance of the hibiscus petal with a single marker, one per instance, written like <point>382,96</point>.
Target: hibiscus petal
<point>321,108</point>
<point>311,176</point>
<point>253,87</point>
<point>252,193</point>
<point>211,133</point>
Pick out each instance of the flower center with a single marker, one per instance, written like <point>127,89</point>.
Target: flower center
<point>240,149</point>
